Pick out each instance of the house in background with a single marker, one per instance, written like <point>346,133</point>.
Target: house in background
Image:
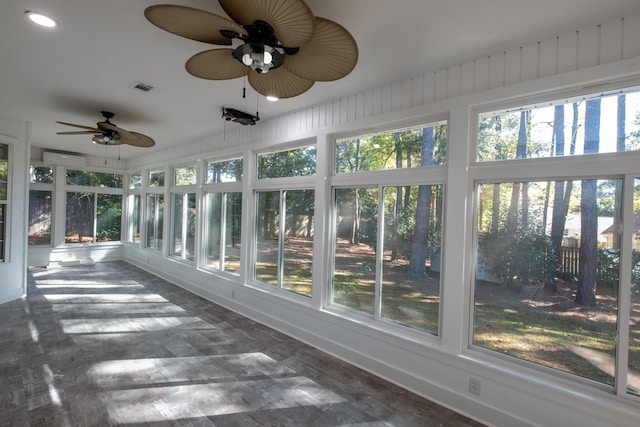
<point>207,234</point>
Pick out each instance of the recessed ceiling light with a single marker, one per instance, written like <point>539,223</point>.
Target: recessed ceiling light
<point>272,98</point>
<point>41,19</point>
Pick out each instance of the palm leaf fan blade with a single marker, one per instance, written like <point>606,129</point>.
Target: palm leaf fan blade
<point>215,64</point>
<point>191,23</point>
<point>331,54</point>
<point>79,132</point>
<point>280,83</point>
<point>139,140</point>
<point>291,20</point>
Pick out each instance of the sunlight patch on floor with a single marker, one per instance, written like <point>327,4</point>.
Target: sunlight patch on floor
<point>162,404</point>
<point>117,309</point>
<point>142,324</point>
<point>152,371</point>
<point>65,284</point>
<point>98,298</point>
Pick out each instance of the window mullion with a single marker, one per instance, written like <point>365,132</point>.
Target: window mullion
<point>281,232</point>
<point>223,230</point>
<point>624,289</point>
<point>379,254</point>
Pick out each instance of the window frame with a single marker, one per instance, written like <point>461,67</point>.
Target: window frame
<point>50,187</point>
<point>414,176</point>
<point>223,188</point>
<point>596,166</point>
<point>96,191</point>
<point>5,203</point>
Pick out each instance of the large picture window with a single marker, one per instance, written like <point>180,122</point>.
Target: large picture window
<point>284,240</point>
<point>387,246</point>
<point>549,255</point>
<point>547,282</point>
<point>93,207</point>
<point>285,220</point>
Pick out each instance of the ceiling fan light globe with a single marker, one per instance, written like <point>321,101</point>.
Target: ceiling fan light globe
<point>267,58</point>
<point>246,59</point>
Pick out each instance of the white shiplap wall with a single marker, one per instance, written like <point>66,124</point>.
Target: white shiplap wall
<point>603,43</point>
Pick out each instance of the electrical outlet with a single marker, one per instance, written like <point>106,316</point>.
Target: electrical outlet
<point>474,386</point>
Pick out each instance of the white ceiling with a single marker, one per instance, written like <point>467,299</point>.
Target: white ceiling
<point>101,48</point>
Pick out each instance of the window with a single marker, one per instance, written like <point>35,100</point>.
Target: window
<point>223,229</point>
<point>93,207</point>
<point>558,128</point>
<point>284,241</point>
<point>183,230</point>
<point>402,148</point>
<point>549,253</point>
<point>546,283</point>
<point>40,209</point>
<point>154,224</point>
<point>4,190</point>
<point>40,205</point>
<point>633,363</point>
<point>224,171</point>
<point>285,220</point>
<point>134,207</point>
<point>93,217</point>
<point>295,162</point>
<point>156,178</point>
<point>185,175</point>
<point>387,245</point>
<point>94,179</point>
<point>223,215</point>
<point>183,211</point>
<point>135,181</point>
<point>135,218</point>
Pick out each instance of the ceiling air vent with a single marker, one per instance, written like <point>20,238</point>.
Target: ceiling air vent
<point>144,87</point>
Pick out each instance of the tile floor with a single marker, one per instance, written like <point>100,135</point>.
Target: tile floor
<point>112,345</point>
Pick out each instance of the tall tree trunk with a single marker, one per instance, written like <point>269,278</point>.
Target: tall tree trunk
<point>398,166</point>
<point>521,152</point>
<point>420,244</point>
<point>620,146</point>
<point>355,224</point>
<point>495,208</point>
<point>558,216</point>
<point>586,292</point>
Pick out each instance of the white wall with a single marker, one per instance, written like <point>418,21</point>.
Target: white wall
<point>512,394</point>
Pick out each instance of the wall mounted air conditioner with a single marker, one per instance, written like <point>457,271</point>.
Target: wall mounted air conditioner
<point>61,159</point>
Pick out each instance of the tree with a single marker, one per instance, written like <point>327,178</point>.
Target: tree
<point>419,246</point>
<point>585,294</point>
<point>558,216</point>
<point>620,146</point>
<point>521,152</point>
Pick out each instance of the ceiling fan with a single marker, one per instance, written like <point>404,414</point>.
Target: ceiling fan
<point>279,45</point>
<point>106,133</point>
